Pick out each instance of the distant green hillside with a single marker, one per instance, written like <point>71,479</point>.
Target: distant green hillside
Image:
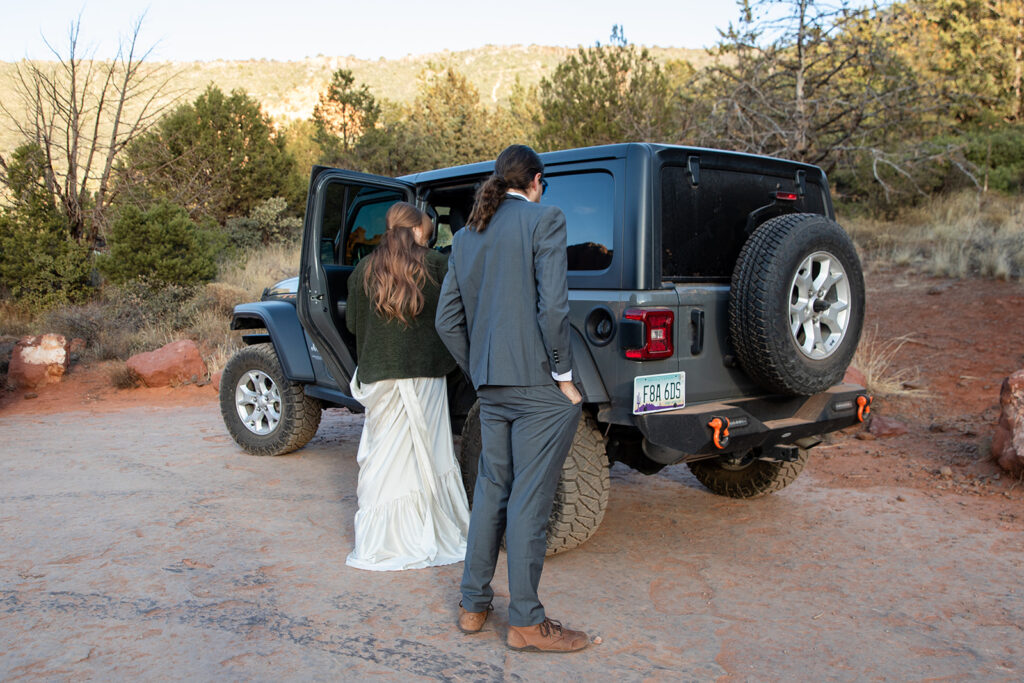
<point>289,90</point>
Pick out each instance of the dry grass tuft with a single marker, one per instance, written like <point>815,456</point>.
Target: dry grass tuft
<point>264,267</point>
<point>962,235</point>
<point>211,330</point>
<point>126,320</point>
<point>209,327</point>
<point>15,321</point>
<point>221,354</point>
<point>123,378</point>
<point>222,298</point>
<point>875,358</point>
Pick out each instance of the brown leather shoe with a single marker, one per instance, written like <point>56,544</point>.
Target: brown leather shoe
<point>472,622</point>
<point>547,636</point>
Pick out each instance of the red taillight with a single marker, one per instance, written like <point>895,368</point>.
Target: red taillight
<point>786,196</point>
<point>657,333</point>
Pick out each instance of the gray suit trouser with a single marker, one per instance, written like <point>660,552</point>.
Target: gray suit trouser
<point>526,434</point>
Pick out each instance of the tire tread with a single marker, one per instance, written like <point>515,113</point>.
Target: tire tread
<point>300,414</point>
<point>758,479</point>
<point>582,494</point>
<point>765,353</point>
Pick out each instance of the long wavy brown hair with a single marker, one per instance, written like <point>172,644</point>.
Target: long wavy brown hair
<point>515,168</point>
<point>396,270</point>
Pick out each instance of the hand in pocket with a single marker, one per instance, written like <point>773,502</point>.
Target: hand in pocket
<point>571,392</point>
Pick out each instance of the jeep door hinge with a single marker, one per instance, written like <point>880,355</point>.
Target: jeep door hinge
<point>693,168</point>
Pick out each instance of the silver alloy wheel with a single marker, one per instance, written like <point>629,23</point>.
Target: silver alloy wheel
<point>258,401</point>
<point>819,305</point>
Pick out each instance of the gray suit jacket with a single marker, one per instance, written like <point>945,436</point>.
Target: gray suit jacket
<point>504,306</point>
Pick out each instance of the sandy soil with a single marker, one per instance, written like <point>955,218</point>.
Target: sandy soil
<point>136,540</point>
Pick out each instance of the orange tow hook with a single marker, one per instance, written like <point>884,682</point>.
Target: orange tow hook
<point>863,407</point>
<point>720,427</point>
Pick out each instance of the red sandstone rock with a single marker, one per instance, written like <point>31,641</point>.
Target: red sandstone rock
<point>855,376</point>
<point>215,381</point>
<point>882,426</point>
<point>1008,441</point>
<point>38,360</point>
<point>176,363</point>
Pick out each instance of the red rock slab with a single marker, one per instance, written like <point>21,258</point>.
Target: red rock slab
<point>176,363</point>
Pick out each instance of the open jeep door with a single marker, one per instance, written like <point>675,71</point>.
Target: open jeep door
<point>344,222</point>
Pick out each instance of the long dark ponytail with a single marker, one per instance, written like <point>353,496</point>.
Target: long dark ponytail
<point>515,168</point>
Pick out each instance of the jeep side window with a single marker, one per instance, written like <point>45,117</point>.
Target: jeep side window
<point>443,228</point>
<point>587,199</point>
<point>452,205</point>
<point>364,224</point>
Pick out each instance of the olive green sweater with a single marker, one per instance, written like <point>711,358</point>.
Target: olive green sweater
<point>388,349</point>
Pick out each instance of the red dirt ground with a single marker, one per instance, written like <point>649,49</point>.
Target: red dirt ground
<point>90,388</point>
<point>965,337</point>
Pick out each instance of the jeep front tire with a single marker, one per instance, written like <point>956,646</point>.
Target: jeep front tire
<point>265,413</point>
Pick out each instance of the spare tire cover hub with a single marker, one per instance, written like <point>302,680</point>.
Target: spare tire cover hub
<point>819,305</point>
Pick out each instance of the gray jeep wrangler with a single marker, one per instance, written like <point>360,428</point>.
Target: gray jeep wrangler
<point>715,305</point>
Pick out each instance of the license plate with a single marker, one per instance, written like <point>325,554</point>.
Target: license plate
<point>652,393</point>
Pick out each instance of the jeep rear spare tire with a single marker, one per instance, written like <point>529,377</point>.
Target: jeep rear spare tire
<point>796,306</point>
<point>265,413</point>
<point>582,494</point>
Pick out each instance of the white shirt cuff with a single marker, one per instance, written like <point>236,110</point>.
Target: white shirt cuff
<point>564,377</point>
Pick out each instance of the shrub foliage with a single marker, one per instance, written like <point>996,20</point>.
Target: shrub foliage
<point>161,244</point>
<point>218,157</point>
<point>41,265</point>
<point>268,223</point>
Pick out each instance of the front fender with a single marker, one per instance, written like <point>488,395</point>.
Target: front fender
<point>282,324</point>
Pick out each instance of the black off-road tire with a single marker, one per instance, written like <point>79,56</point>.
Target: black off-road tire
<point>300,414</point>
<point>755,478</point>
<point>582,494</point>
<point>760,297</point>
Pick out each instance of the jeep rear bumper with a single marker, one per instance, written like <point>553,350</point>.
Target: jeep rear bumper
<point>688,433</point>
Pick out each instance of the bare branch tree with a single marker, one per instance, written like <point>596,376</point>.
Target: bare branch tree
<point>82,113</point>
<point>809,82</point>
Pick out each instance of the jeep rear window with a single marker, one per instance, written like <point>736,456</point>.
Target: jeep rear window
<point>703,228</point>
<point>587,199</point>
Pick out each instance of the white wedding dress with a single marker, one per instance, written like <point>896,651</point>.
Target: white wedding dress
<point>412,506</point>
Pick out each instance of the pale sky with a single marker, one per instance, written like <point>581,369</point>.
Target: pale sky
<point>189,30</point>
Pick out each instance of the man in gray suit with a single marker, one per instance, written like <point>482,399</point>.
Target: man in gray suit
<point>504,315</point>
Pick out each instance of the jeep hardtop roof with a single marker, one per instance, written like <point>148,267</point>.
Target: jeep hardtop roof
<point>736,160</point>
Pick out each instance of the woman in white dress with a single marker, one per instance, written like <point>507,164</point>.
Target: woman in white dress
<point>412,506</point>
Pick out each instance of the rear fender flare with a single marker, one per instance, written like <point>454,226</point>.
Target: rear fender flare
<point>585,373</point>
<point>282,324</point>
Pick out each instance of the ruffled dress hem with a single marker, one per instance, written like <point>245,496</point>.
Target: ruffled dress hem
<point>388,531</point>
